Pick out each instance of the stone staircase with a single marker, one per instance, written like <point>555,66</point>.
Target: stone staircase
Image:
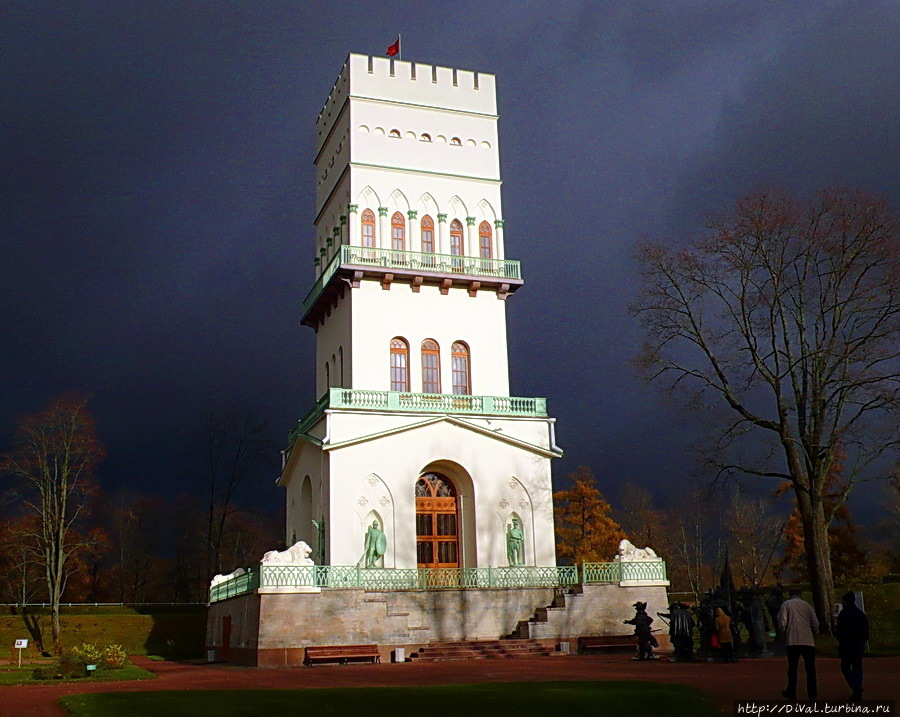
<point>544,624</point>
<point>482,650</point>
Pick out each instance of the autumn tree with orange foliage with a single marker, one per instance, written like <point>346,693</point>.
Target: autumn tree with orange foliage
<point>54,459</point>
<point>585,532</point>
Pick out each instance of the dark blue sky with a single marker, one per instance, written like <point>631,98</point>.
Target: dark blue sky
<point>156,183</point>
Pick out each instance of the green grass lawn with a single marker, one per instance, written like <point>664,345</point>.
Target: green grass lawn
<point>522,699</point>
<point>22,675</point>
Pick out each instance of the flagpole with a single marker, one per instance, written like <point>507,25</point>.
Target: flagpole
<point>400,57</point>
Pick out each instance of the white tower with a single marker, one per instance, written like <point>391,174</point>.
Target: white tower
<point>414,428</point>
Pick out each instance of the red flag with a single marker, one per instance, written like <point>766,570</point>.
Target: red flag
<point>394,49</point>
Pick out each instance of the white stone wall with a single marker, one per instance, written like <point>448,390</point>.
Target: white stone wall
<point>374,460</point>
<point>288,623</point>
<point>378,316</point>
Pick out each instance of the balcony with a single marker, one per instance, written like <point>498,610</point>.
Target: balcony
<point>354,399</point>
<point>355,262</point>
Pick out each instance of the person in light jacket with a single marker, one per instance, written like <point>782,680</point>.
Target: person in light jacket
<point>798,623</point>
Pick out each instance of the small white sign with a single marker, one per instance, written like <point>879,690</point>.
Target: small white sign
<point>21,644</point>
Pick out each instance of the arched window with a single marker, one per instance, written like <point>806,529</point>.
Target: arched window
<point>456,242</point>
<point>459,358</point>
<point>431,367</point>
<point>399,365</point>
<point>368,228</point>
<point>398,232</point>
<point>485,245</point>
<point>427,225</point>
<point>395,133</point>
<point>426,137</point>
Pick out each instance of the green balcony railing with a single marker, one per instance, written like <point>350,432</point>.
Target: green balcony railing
<point>349,398</point>
<point>413,261</point>
<point>348,576</point>
<point>621,571</point>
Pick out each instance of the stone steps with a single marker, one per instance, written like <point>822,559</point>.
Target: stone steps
<point>481,650</point>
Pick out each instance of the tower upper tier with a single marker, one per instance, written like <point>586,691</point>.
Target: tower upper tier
<point>407,167</point>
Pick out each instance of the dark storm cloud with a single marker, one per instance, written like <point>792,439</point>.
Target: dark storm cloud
<point>157,189</point>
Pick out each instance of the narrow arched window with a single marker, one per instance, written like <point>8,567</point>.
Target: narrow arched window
<point>456,238</point>
<point>431,367</point>
<point>485,243</point>
<point>427,225</point>
<point>398,232</point>
<point>368,228</point>
<point>459,356</point>
<point>399,365</point>
<point>456,242</point>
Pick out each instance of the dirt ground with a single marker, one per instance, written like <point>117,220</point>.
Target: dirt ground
<point>748,679</point>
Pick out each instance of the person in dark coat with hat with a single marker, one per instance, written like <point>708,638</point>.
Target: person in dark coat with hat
<point>852,632</point>
<point>641,622</point>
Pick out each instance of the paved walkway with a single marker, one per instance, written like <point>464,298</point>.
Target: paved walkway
<point>747,679</point>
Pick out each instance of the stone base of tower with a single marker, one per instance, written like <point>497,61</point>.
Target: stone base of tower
<point>272,630</point>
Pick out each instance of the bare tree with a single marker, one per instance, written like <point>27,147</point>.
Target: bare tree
<point>641,523</point>
<point>55,457</point>
<point>690,538</point>
<point>788,316</point>
<point>755,534</point>
<point>234,447</point>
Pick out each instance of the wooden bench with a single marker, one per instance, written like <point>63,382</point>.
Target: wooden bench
<point>606,643</point>
<point>341,654</point>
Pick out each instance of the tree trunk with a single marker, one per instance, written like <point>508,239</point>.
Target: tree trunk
<point>818,555</point>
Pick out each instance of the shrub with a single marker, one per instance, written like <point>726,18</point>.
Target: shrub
<point>87,654</point>
<point>113,656</point>
<point>70,665</point>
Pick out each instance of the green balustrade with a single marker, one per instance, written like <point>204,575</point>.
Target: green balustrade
<point>415,261</point>
<point>349,576</point>
<point>620,571</point>
<point>349,398</point>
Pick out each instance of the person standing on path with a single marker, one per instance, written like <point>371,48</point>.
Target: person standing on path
<point>726,639</point>
<point>852,632</point>
<point>798,623</point>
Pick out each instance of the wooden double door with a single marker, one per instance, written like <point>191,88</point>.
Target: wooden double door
<point>437,522</point>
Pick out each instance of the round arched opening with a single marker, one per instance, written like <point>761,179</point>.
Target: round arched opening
<point>437,522</point>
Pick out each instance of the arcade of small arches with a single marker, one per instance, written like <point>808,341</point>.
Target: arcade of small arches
<point>425,137</point>
<point>369,237</point>
<point>457,230</point>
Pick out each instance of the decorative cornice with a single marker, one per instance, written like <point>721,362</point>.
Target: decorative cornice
<point>470,221</point>
<point>442,218</point>
<point>412,213</point>
<point>382,211</point>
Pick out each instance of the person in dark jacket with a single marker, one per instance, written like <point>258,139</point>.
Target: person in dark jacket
<point>852,632</point>
<point>641,622</point>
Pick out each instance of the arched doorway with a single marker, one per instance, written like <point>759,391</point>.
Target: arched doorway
<point>437,522</point>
